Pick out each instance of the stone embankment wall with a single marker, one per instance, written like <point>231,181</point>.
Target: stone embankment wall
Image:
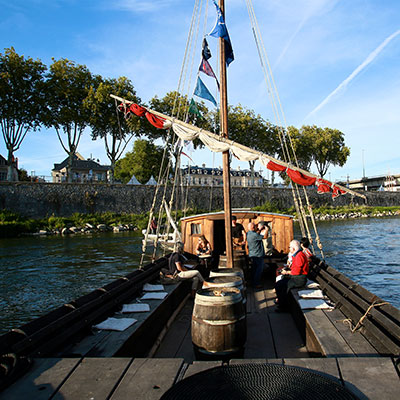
<point>44,199</point>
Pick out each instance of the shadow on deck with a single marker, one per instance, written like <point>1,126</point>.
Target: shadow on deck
<point>269,335</point>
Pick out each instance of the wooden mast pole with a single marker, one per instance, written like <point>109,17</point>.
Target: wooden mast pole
<point>225,154</point>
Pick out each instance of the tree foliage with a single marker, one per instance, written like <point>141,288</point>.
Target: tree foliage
<point>249,129</point>
<point>328,148</point>
<point>68,85</point>
<point>22,100</point>
<point>143,161</point>
<point>323,146</point>
<point>177,105</point>
<point>106,121</point>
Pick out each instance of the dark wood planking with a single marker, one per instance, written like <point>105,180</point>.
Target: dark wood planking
<point>148,379</point>
<point>358,343</point>
<point>199,366</point>
<point>94,378</point>
<point>331,342</point>
<point>172,343</point>
<point>324,366</point>
<point>42,380</point>
<point>370,378</point>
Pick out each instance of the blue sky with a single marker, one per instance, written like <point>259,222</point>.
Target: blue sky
<point>336,64</point>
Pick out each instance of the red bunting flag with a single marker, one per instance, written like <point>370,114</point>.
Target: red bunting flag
<point>158,122</point>
<point>275,167</point>
<point>300,178</point>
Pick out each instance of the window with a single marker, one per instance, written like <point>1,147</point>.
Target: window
<point>195,229</point>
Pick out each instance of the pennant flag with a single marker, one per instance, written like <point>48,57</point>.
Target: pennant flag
<point>206,68</point>
<point>187,156</point>
<point>221,31</point>
<point>202,91</point>
<point>193,109</point>
<point>206,53</point>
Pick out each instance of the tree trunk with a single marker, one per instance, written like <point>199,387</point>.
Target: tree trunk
<point>69,167</point>
<point>12,174</point>
<point>113,162</point>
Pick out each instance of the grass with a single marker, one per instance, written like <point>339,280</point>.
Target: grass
<point>13,224</point>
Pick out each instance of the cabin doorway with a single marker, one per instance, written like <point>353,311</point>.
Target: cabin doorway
<point>219,237</point>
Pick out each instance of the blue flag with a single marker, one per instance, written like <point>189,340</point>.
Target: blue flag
<point>220,30</point>
<point>202,91</point>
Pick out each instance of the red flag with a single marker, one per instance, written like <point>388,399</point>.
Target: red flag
<point>275,167</point>
<point>207,69</point>
<point>299,178</point>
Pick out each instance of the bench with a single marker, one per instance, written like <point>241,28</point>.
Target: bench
<point>138,339</point>
<point>326,334</point>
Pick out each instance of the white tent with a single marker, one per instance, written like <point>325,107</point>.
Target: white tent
<point>133,181</point>
<point>151,181</point>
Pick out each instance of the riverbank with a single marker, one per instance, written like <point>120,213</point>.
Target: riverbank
<point>14,225</point>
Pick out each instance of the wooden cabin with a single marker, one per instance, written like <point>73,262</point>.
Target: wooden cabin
<point>212,226</point>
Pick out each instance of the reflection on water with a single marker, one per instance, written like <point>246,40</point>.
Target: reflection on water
<point>38,274</point>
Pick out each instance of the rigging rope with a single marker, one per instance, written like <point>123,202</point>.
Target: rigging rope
<point>284,135</point>
<point>163,178</point>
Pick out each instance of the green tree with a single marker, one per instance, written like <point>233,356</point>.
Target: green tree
<point>68,85</point>
<point>21,101</point>
<point>247,128</point>
<point>176,105</point>
<point>302,143</point>
<point>143,161</point>
<point>328,147</point>
<point>107,122</point>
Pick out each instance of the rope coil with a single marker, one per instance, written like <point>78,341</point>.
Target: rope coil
<point>349,322</point>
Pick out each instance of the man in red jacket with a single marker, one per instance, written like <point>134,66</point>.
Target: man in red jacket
<point>294,278</point>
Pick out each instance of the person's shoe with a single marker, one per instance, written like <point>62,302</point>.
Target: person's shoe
<point>281,310</point>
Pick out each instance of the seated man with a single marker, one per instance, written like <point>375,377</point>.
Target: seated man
<point>176,268</point>
<point>294,278</point>
<point>238,234</point>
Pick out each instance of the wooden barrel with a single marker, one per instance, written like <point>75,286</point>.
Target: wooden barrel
<point>227,281</point>
<point>239,260</point>
<point>218,323</point>
<point>227,272</point>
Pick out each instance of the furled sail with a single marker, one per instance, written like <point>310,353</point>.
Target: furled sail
<point>217,143</point>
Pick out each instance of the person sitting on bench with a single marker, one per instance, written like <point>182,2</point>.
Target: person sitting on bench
<point>294,278</point>
<point>176,268</point>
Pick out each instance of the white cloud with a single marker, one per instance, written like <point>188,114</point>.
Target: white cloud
<point>342,86</point>
<point>138,6</point>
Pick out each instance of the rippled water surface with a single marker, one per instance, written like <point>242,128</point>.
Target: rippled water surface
<point>368,251</point>
<point>38,274</point>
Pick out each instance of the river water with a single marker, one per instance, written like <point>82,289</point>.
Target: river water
<point>38,274</point>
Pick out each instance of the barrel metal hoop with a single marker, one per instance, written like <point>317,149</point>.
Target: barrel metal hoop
<point>217,323</point>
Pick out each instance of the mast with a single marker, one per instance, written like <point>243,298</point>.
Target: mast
<point>225,154</point>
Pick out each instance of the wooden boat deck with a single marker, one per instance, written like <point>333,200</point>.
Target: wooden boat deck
<point>272,338</point>
<point>269,334</point>
<point>148,378</point>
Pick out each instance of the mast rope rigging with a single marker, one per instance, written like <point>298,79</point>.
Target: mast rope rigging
<point>164,174</point>
<point>283,131</point>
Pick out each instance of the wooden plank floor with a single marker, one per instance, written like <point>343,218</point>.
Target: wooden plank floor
<point>149,378</point>
<point>272,338</point>
<point>269,334</point>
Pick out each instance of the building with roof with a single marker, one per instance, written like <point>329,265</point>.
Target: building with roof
<point>203,176</point>
<point>4,169</point>
<point>82,170</point>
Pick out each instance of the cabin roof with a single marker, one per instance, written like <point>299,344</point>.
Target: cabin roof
<point>239,212</point>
